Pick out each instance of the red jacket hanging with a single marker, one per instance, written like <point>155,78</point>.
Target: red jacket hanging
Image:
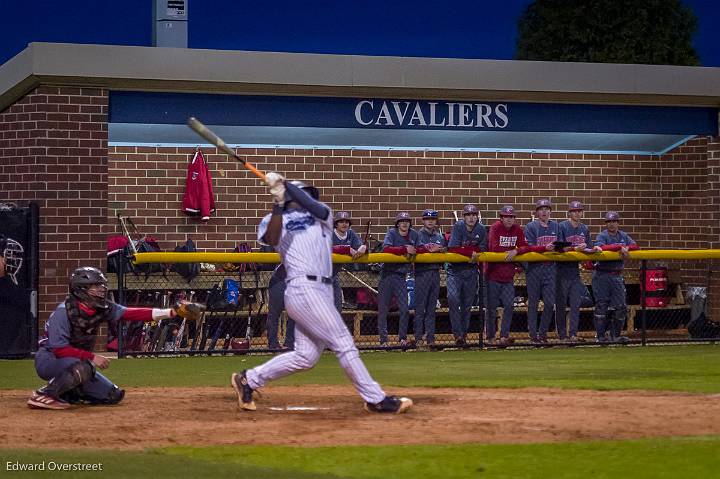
<point>198,199</point>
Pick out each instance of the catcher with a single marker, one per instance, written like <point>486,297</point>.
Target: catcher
<point>65,356</point>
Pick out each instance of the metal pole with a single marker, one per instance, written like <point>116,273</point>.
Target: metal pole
<point>643,311</point>
<point>121,300</point>
<point>481,306</point>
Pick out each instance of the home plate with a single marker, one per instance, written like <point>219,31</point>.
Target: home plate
<point>298,408</point>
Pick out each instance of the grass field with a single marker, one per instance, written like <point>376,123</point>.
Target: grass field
<point>677,368</point>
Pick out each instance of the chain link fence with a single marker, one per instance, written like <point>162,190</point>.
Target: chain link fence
<point>433,307</point>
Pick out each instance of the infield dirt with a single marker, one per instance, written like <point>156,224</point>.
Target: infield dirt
<point>155,417</point>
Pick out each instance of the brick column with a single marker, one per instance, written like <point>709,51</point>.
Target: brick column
<point>53,150</point>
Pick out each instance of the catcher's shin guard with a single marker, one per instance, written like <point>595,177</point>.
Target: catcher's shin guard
<point>73,376</point>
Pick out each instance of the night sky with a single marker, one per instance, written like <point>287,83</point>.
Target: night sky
<point>455,29</point>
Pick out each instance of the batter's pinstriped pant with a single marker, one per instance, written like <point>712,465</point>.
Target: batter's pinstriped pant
<point>392,285</point>
<point>499,294</point>
<point>427,291</point>
<point>318,326</point>
<point>462,288</point>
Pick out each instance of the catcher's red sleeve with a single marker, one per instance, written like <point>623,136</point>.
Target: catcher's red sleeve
<point>138,314</point>
<point>72,352</point>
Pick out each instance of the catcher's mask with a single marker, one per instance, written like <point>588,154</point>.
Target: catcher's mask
<point>13,253</point>
<point>89,285</point>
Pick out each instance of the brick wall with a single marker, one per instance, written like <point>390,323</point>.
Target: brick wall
<point>53,150</point>
<point>149,182</point>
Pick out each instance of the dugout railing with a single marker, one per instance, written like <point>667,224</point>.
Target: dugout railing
<point>671,296</point>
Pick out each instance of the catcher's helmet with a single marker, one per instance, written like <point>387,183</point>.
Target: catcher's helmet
<point>430,213</point>
<point>85,277</point>
<point>612,216</point>
<point>470,209</point>
<point>342,216</point>
<point>575,206</point>
<point>402,216</point>
<point>542,204</point>
<point>507,210</point>
<point>308,188</point>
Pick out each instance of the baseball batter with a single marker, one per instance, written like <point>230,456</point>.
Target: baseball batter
<point>345,241</point>
<point>468,238</point>
<point>65,356</point>
<point>300,228</point>
<point>540,235</point>
<point>571,287</point>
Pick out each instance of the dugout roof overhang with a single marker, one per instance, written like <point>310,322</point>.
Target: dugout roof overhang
<point>346,101</point>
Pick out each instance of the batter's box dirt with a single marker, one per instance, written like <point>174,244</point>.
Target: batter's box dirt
<point>333,415</point>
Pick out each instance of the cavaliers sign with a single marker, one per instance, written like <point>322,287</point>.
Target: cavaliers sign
<point>429,114</point>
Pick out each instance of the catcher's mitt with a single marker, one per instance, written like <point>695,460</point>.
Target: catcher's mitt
<point>188,310</point>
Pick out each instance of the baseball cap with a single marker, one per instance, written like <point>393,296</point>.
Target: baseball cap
<point>470,209</point>
<point>612,216</point>
<point>542,203</point>
<point>342,216</point>
<point>507,210</point>
<point>575,205</point>
<point>430,213</point>
<point>402,216</point>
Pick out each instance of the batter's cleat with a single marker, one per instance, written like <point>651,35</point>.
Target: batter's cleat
<point>243,390</point>
<point>391,404</point>
<point>43,401</point>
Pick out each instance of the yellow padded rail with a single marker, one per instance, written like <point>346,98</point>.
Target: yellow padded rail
<point>219,257</point>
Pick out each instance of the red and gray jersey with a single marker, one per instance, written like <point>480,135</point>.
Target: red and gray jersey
<point>58,332</point>
<point>305,245</point>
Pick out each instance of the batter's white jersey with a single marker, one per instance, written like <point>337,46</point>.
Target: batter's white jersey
<point>305,245</point>
<point>305,248</point>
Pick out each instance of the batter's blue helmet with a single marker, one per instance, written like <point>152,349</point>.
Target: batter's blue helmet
<point>307,188</point>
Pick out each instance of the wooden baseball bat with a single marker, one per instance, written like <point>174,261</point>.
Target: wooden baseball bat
<point>205,132</point>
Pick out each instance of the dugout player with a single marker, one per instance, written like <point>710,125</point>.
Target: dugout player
<point>276,304</point>
<point>345,241</point>
<point>427,278</point>
<point>399,240</point>
<point>505,237</point>
<point>541,235</point>
<point>571,287</point>
<point>468,238</point>
<point>65,356</point>
<point>607,283</point>
<point>300,229</point>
